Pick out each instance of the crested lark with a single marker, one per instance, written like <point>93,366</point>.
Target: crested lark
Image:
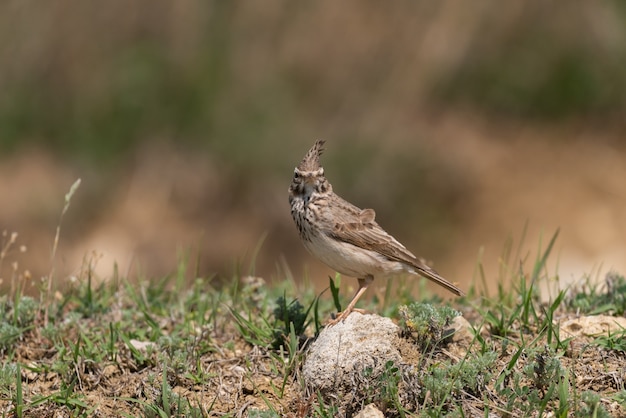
<point>347,238</point>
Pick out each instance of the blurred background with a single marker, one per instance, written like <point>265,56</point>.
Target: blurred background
<point>184,120</point>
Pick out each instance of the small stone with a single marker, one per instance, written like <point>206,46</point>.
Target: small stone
<point>592,326</point>
<point>370,411</point>
<point>462,331</point>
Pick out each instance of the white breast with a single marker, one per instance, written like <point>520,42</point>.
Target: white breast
<point>350,260</point>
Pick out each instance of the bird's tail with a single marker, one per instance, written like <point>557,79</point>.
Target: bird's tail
<point>431,274</point>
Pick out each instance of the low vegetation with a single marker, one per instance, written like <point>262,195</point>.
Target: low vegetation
<point>171,347</point>
<point>208,347</point>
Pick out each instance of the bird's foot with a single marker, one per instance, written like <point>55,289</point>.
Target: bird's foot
<point>341,316</point>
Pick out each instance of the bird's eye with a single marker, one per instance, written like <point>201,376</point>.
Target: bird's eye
<point>296,175</point>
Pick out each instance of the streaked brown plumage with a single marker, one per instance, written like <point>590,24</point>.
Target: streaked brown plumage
<point>344,237</point>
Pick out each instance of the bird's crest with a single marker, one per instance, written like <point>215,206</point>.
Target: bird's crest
<point>311,161</point>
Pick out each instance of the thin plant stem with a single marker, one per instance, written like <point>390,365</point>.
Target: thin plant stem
<point>68,198</point>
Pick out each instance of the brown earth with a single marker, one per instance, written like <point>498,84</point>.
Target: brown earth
<point>237,377</point>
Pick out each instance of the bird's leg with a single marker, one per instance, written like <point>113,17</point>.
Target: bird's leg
<point>363,284</point>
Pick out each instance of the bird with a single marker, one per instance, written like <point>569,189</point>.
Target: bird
<point>346,238</point>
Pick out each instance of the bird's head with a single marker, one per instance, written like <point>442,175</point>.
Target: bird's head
<point>308,176</point>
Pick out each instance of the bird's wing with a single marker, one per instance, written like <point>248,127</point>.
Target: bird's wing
<point>359,228</point>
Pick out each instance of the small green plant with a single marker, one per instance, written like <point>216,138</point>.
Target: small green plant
<point>544,369</point>
<point>543,382</point>
<point>547,325</point>
<point>289,316</point>
<point>9,335</point>
<point>620,397</point>
<point>591,406</point>
<point>24,311</point>
<point>500,319</point>
<point>89,300</point>
<point>255,328</point>
<point>170,404</point>
<point>427,323</point>
<point>11,386</point>
<point>605,298</point>
<point>17,318</point>
<point>322,410</point>
<point>438,386</point>
<point>8,372</point>
<point>389,392</point>
<point>258,413</point>
<point>614,341</point>
<point>382,390</point>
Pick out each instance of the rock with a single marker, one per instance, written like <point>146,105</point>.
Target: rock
<point>592,326</point>
<point>462,329</point>
<point>342,352</point>
<point>370,411</point>
<point>462,338</point>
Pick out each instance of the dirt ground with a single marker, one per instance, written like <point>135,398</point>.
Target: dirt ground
<point>239,377</point>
